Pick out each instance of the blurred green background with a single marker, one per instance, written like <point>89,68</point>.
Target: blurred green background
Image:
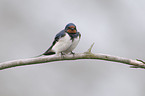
<point>28,27</point>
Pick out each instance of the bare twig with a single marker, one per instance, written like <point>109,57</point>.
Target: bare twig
<point>85,55</point>
<point>141,61</point>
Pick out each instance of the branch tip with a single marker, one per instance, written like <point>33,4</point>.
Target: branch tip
<point>136,67</point>
<point>140,61</point>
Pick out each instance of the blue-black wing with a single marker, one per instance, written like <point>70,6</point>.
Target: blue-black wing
<point>57,37</point>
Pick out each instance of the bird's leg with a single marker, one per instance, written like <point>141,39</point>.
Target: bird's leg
<point>72,53</point>
<point>62,55</point>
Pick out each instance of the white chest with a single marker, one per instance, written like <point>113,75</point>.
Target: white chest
<point>63,44</point>
<point>73,45</point>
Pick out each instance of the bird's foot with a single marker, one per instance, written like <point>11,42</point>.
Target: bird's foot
<point>62,55</point>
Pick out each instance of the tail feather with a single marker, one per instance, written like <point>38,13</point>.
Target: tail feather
<point>49,52</point>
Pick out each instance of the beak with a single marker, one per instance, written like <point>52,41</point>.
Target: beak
<point>72,29</point>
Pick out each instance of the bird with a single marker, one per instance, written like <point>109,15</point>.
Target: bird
<point>65,41</point>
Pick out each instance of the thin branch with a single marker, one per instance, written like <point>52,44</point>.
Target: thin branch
<point>85,55</point>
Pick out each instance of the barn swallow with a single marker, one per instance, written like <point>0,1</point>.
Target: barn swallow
<point>65,41</point>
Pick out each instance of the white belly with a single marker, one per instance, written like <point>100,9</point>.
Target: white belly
<point>73,45</point>
<point>63,44</point>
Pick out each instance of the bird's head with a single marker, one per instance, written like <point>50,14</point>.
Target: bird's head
<point>70,28</point>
